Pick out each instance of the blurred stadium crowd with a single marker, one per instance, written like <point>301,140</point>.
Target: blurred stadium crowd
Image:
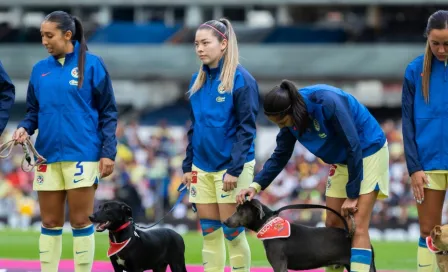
<point>148,173</point>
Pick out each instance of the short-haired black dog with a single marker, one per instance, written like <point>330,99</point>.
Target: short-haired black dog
<point>294,246</point>
<point>135,249</point>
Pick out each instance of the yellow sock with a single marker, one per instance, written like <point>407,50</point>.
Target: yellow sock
<point>239,250</point>
<point>334,268</point>
<point>426,260</point>
<point>83,248</point>
<point>213,248</point>
<point>50,248</point>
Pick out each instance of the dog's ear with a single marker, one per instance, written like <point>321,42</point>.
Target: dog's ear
<point>436,231</point>
<point>127,210</point>
<point>257,204</point>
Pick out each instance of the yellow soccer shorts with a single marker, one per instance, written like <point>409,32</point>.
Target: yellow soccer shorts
<point>206,187</point>
<point>60,176</point>
<point>438,180</point>
<point>376,176</point>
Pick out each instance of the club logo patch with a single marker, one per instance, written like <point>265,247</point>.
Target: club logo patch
<point>75,72</point>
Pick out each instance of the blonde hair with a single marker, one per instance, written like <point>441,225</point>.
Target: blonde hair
<point>427,60</point>
<point>222,29</point>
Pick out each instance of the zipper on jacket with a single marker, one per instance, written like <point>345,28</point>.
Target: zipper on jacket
<point>444,71</point>
<point>60,76</point>
<point>210,83</point>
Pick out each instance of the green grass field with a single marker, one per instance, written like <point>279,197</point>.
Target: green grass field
<point>24,245</point>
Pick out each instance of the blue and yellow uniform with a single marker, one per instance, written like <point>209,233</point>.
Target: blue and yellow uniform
<point>7,97</point>
<point>342,132</point>
<point>221,140</point>
<point>76,127</point>
<point>425,133</point>
<point>222,136</point>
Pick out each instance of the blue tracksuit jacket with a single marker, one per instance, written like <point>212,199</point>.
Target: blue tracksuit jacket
<point>223,128</point>
<point>425,134</point>
<point>74,124</point>
<point>341,131</point>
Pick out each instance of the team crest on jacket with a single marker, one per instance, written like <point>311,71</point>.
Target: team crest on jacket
<point>75,72</point>
<point>221,89</point>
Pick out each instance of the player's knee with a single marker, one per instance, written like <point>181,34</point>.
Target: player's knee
<point>79,223</point>
<point>231,233</point>
<point>209,226</point>
<point>333,221</point>
<point>52,223</point>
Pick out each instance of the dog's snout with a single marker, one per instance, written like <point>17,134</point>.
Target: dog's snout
<point>91,218</point>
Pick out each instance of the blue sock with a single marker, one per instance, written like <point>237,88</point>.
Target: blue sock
<point>360,260</point>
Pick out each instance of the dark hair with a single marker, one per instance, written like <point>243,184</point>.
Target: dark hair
<point>285,99</point>
<point>438,20</point>
<point>66,22</point>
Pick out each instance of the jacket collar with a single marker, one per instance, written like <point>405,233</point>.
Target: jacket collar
<point>69,56</point>
<point>213,72</point>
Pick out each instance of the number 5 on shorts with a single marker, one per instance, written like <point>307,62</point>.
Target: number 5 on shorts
<point>80,169</point>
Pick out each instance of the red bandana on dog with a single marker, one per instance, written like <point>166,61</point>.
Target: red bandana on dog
<point>114,248</point>
<point>431,246</point>
<point>275,228</point>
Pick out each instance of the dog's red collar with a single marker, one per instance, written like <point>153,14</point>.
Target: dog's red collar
<point>114,248</point>
<point>275,228</point>
<point>431,246</point>
<point>125,225</point>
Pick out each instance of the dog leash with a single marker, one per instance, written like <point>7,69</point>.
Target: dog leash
<point>183,190</point>
<point>317,206</point>
<point>27,146</point>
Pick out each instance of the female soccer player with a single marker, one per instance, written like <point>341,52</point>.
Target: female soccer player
<point>220,154</point>
<point>424,133</point>
<point>70,101</point>
<point>335,127</point>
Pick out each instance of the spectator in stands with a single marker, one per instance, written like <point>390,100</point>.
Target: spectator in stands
<point>70,101</point>
<point>335,127</point>
<point>220,156</point>
<point>7,96</point>
<point>424,132</point>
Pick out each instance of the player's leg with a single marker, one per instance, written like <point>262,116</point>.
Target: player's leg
<point>48,182</point>
<point>335,197</point>
<point>203,193</point>
<point>81,179</point>
<point>430,215</point>
<point>374,185</point>
<point>239,250</point>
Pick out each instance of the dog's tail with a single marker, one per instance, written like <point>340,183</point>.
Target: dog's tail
<point>350,232</point>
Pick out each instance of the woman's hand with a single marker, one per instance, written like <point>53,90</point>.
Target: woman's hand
<point>229,183</point>
<point>249,192</point>
<point>418,181</point>
<point>186,179</point>
<point>20,135</point>
<point>106,167</point>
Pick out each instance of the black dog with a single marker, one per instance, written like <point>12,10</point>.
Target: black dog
<point>292,246</point>
<point>135,249</point>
